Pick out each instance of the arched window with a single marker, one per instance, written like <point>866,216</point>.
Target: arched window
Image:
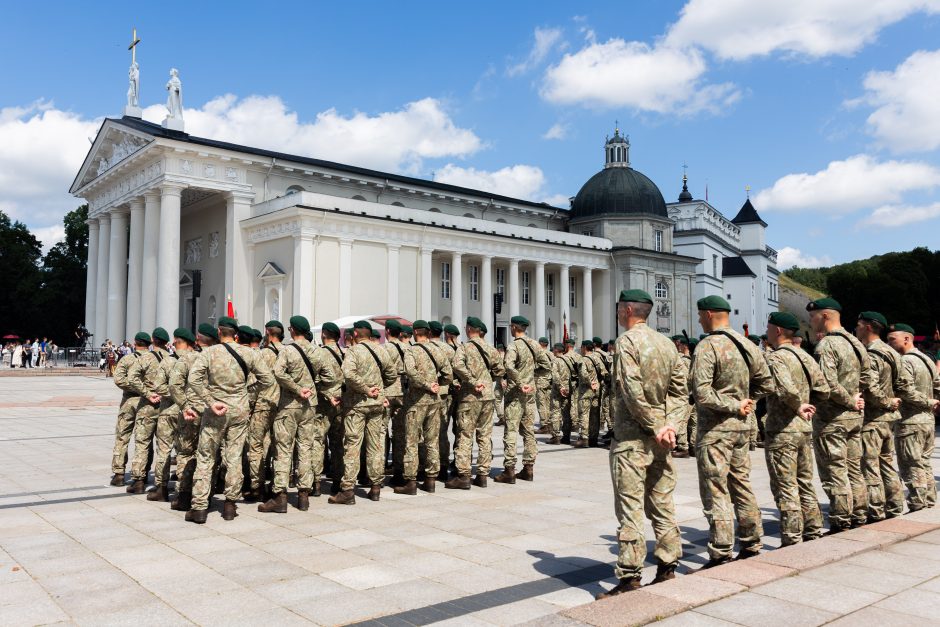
<point>661,290</point>
<point>397,204</point>
<point>434,210</point>
<point>293,189</point>
<point>358,197</point>
<point>469,215</point>
<point>501,220</point>
<point>533,226</point>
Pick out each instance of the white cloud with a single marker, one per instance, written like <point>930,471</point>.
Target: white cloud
<point>901,215</point>
<point>545,40</point>
<point>859,182</point>
<point>740,29</point>
<point>633,74</point>
<point>49,235</point>
<point>787,257</point>
<point>518,181</point>
<point>906,99</point>
<point>557,131</point>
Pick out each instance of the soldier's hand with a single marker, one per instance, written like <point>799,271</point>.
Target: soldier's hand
<point>859,402</point>
<point>747,405</point>
<point>666,438</point>
<point>895,403</point>
<point>479,387</point>
<point>218,408</point>
<point>563,392</point>
<point>807,411</point>
<point>526,389</point>
<point>594,386</point>
<point>435,388</point>
<point>306,393</point>
<point>502,384</point>
<point>190,415</point>
<point>934,405</point>
<point>154,398</point>
<point>385,402</point>
<point>374,392</point>
<point>334,401</point>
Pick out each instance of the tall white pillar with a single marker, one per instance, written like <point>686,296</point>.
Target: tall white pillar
<point>486,296</point>
<point>135,266</point>
<point>91,277</point>
<point>392,279</point>
<point>607,317</point>
<point>238,276</point>
<point>539,304</point>
<point>456,289</point>
<point>565,296</point>
<point>148,272</point>
<point>117,276</point>
<point>304,269</point>
<point>426,291</point>
<point>168,268</point>
<point>101,286</point>
<point>513,287</point>
<point>345,277</point>
<point>588,306</point>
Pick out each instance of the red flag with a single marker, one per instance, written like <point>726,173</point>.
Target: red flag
<point>745,329</point>
<point>230,311</point>
<point>565,328</point>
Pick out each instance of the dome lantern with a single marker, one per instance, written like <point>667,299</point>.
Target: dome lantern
<point>617,151</point>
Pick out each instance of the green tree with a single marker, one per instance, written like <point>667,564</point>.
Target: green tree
<point>62,298</point>
<point>20,277</point>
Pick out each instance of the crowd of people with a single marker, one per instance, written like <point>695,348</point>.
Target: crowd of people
<point>252,414</point>
<point>35,353</point>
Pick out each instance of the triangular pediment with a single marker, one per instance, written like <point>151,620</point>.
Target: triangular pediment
<point>270,271</point>
<point>186,279</point>
<point>115,143</point>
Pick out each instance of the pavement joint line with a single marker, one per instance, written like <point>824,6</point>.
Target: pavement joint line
<point>40,492</point>
<point>57,437</point>
<point>75,499</point>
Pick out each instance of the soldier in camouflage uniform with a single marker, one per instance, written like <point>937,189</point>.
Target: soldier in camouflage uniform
<point>522,358</point>
<point>476,363</point>
<point>395,353</point>
<point>328,379</point>
<point>168,419</point>
<point>499,392</point>
<point>562,373</point>
<point>127,414</point>
<point>262,416</point>
<point>606,383</point>
<point>218,396</point>
<point>596,372</point>
<point>649,395</point>
<point>914,432</point>
<point>543,390</point>
<point>728,374</point>
<point>838,421</point>
<point>889,386</point>
<point>294,423</point>
<point>681,343</point>
<point>448,396</point>
<point>143,377</point>
<point>788,445</point>
<point>575,361</point>
<point>366,375</point>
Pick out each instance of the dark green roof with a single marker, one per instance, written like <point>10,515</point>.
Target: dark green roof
<point>618,190</point>
<point>747,215</point>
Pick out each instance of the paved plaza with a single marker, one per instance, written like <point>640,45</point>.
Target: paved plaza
<point>77,551</point>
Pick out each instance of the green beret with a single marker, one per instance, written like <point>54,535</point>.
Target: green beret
<point>476,323</point>
<point>330,327</point>
<point>349,332</point>
<point>754,338</point>
<point>635,296</point>
<point>713,303</point>
<point>436,326</point>
<point>362,324</point>
<point>693,343</point>
<point>824,303</point>
<point>597,340</point>
<point>420,324</point>
<point>226,321</point>
<point>587,344</point>
<point>299,324</point>
<point>675,338</point>
<point>611,342</point>
<point>784,320</point>
<point>184,334</point>
<point>376,334</point>
<point>681,339</point>
<point>208,330</point>
<point>543,340</point>
<point>873,316</point>
<point>569,342</point>
<point>393,324</point>
<point>406,330</point>
<point>160,334</point>
<point>763,336</point>
<point>903,328</point>
<point>247,331</point>
<point>519,320</point>
<point>452,329</point>
<point>558,346</point>
<point>142,336</point>
<point>702,336</point>
<point>274,324</point>
<point>500,347</point>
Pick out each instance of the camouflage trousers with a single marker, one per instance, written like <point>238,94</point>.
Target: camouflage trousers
<point>474,422</point>
<point>258,445</point>
<point>692,428</point>
<point>644,481</point>
<point>915,444</point>
<point>422,437</point>
<point>605,410</point>
<point>885,494</point>
<point>682,430</point>
<point>724,479</point>
<point>500,404</point>
<point>323,422</point>
<point>443,441</point>
<point>838,447</point>
<point>144,428</point>
<point>752,423</point>
<point>790,466</point>
<point>396,413</point>
<point>293,428</point>
<point>335,437</point>
<point>543,399</point>
<point>187,439</point>
<point>226,434</point>
<point>123,430</point>
<point>364,424</point>
<point>520,418</point>
<point>588,415</point>
<point>163,441</point>
<point>559,406</point>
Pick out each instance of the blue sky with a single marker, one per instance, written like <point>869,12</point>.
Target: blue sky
<point>824,108</point>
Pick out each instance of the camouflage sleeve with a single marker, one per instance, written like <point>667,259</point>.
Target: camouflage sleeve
<point>559,374</point>
<point>787,390</point>
<point>497,368</point>
<point>762,383</point>
<point>905,388</point>
<point>819,389</point>
<point>120,373</point>
<point>509,363</point>
<point>177,382</point>
<point>416,377</point>
<point>135,377</point>
<point>877,395</point>
<point>259,368</point>
<point>703,376</point>
<point>865,376</point>
<point>828,363</point>
<point>677,394</point>
<point>629,382</point>
<point>162,376</point>
<point>447,367</point>
<point>389,371</point>
<point>328,384</point>
<point>543,360</point>
<point>198,397</point>
<point>282,371</point>
<point>461,366</point>
<point>351,369</point>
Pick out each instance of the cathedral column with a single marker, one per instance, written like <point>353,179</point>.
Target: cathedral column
<point>392,278</point>
<point>101,286</point>
<point>539,303</point>
<point>513,287</point>
<point>609,315</point>
<point>135,266</point>
<point>304,262</point>
<point>238,276</point>
<point>345,277</point>
<point>148,273</point>
<point>117,276</point>
<point>168,268</point>
<point>587,306</point>
<point>91,276</point>
<point>456,289</point>
<point>486,295</point>
<point>426,291</point>
<point>564,295</point>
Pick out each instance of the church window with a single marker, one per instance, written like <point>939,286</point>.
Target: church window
<point>715,266</point>
<point>500,281</point>
<point>445,279</point>
<point>658,241</point>
<point>661,290</point>
<point>572,291</point>
<point>474,282</point>
<point>525,288</point>
<point>550,290</point>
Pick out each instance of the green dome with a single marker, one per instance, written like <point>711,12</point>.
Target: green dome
<point>618,190</point>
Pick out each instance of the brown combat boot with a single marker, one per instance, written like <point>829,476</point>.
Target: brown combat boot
<point>375,492</point>
<point>183,502</point>
<point>408,487</point>
<point>544,429</point>
<point>460,482</point>
<point>303,500</point>
<point>716,561</point>
<point>500,423</point>
<point>276,505</point>
<point>159,493</point>
<point>253,496</point>
<point>429,484</point>
<point>528,472</point>
<point>680,454</point>
<point>507,476</point>
<point>229,510</point>
<point>117,479</point>
<point>316,489</point>
<point>334,487</point>
<point>480,480</point>
<point>626,585</point>
<point>664,572</point>
<point>581,443</point>
<point>554,440</point>
<point>197,516</point>
<point>344,497</point>
<point>137,487</point>
<point>744,554</point>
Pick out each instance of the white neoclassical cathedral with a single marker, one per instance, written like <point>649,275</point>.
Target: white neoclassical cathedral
<point>179,224</point>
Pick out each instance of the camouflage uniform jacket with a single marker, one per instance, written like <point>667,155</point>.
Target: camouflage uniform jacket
<point>144,373</point>
<point>649,383</point>
<point>292,374</point>
<point>887,379</point>
<point>923,372</point>
<point>446,352</point>
<point>721,380</point>
<point>796,377</point>
<point>395,352</point>
<point>608,362</point>
<point>593,370</point>
<point>176,382</point>
<point>422,374</point>
<point>541,371</point>
<point>844,363</point>
<point>269,397</point>
<point>216,376</point>
<point>572,362</point>
<point>162,378</point>
<point>121,372</point>
<point>471,370</point>
<point>523,356</point>
<point>328,374</point>
<point>562,374</point>
<point>361,373</point>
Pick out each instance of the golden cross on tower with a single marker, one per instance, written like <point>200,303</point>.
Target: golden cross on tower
<point>133,46</point>
<point>747,190</point>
